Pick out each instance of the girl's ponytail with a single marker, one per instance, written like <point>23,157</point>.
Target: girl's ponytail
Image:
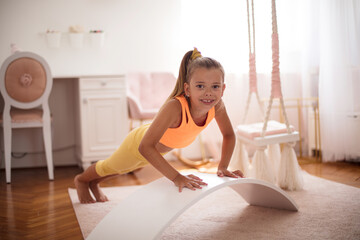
<point>182,78</point>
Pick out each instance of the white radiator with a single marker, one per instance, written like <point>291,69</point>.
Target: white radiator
<point>313,139</point>
<point>353,131</point>
<point>352,147</point>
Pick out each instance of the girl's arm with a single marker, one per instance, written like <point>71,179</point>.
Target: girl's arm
<point>228,144</point>
<point>169,116</point>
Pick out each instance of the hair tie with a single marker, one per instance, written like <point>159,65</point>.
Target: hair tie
<point>195,54</point>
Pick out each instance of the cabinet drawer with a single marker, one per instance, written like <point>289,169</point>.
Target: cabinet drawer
<point>102,83</point>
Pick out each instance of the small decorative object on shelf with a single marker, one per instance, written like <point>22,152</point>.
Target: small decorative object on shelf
<point>53,38</point>
<point>97,38</point>
<point>96,31</point>
<point>76,36</point>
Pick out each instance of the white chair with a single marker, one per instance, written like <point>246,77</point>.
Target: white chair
<point>25,83</point>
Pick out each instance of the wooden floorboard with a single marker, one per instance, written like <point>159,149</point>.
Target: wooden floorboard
<point>31,207</point>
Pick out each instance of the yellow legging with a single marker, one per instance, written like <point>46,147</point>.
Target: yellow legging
<point>127,157</point>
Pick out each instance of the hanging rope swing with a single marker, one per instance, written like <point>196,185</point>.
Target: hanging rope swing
<point>252,64</point>
<point>283,167</point>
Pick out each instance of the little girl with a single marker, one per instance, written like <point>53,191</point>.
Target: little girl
<point>194,102</point>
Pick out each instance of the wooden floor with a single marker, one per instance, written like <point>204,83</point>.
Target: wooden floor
<point>31,207</point>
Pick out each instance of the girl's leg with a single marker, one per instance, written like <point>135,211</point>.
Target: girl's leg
<point>122,160</point>
<point>95,188</point>
<point>82,184</point>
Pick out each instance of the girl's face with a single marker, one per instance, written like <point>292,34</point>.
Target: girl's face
<point>205,88</point>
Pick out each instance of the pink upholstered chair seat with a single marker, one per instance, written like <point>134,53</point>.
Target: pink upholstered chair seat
<point>254,130</point>
<point>25,116</point>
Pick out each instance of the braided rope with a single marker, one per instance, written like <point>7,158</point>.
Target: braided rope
<point>252,73</point>
<point>260,104</point>
<point>275,77</point>
<point>246,107</point>
<point>252,57</point>
<point>275,73</point>
<point>267,117</point>
<point>253,23</point>
<point>275,31</point>
<point>274,17</point>
<point>248,17</point>
<point>252,61</point>
<point>285,115</point>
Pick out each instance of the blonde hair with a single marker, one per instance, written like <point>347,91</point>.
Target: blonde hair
<point>191,61</point>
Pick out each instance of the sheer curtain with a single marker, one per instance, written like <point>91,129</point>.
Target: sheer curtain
<point>334,49</point>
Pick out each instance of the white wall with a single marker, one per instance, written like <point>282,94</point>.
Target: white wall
<point>139,34</point>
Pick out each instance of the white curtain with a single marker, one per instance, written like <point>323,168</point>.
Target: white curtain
<point>334,51</point>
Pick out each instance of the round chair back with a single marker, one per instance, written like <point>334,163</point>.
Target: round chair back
<point>25,80</point>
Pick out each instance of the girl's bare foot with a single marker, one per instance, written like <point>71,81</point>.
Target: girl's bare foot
<point>83,192</point>
<point>95,189</point>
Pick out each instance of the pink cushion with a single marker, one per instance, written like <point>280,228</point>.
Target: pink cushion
<point>254,130</point>
<point>24,116</point>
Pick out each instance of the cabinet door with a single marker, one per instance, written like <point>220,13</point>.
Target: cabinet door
<point>103,124</point>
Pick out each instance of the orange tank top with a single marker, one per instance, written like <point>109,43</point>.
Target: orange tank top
<point>187,132</point>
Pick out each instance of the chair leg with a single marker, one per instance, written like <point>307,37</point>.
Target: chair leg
<point>131,125</point>
<point>202,148</point>
<point>48,149</point>
<point>7,150</point>
<point>191,163</point>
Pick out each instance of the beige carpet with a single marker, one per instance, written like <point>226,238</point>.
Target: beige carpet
<point>328,210</point>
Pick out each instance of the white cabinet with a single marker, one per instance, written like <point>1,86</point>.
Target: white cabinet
<point>102,117</point>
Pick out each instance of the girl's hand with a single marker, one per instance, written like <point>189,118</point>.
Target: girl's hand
<point>190,181</point>
<point>227,173</point>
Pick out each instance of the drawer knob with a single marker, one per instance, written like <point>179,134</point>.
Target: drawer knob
<point>103,83</point>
